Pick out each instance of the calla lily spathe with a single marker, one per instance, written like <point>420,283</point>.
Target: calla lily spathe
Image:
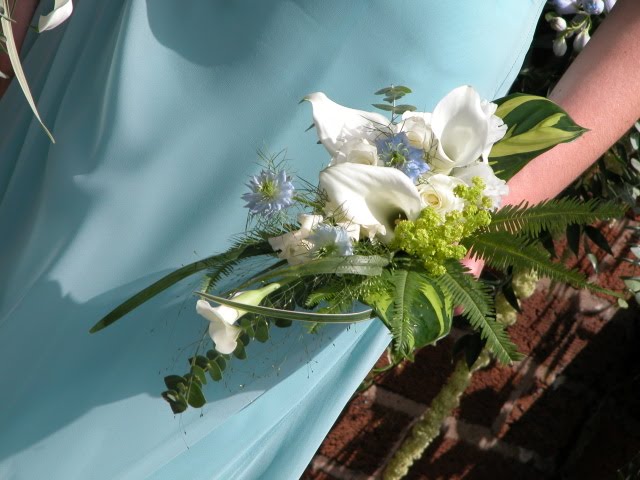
<point>222,319</point>
<point>336,124</point>
<point>465,128</point>
<point>369,196</point>
<point>62,9</point>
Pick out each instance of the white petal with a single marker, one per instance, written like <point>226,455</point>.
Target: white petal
<point>220,314</point>
<point>335,124</point>
<point>308,222</point>
<point>62,10</point>
<point>460,125</point>
<point>370,196</point>
<point>224,336</point>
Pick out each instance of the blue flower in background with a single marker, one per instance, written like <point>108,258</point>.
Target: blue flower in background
<point>270,192</point>
<point>593,7</point>
<point>397,152</point>
<point>331,240</point>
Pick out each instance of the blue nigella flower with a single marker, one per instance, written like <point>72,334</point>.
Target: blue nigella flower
<point>593,7</point>
<point>331,240</point>
<point>270,192</point>
<point>397,152</point>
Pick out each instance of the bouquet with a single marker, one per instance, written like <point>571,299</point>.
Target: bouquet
<point>383,231</point>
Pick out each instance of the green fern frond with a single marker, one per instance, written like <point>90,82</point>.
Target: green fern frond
<point>476,300</point>
<point>501,250</point>
<point>401,329</point>
<point>552,215</point>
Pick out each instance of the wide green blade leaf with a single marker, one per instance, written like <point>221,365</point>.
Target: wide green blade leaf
<point>292,314</point>
<point>367,265</point>
<point>219,264</point>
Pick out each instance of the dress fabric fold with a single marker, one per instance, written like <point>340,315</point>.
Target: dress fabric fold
<point>158,109</point>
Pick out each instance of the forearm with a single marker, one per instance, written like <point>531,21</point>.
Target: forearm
<point>600,91</point>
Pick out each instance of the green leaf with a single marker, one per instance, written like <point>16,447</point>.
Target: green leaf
<point>598,238</point>
<point>173,381</point>
<point>502,250</point>
<point>632,283</point>
<point>383,106</point>
<point>262,330</point>
<point>219,265</point>
<point>535,124</point>
<point>415,309</point>
<point>240,352</point>
<point>215,372</point>
<point>14,58</point>
<point>477,303</point>
<point>471,346</point>
<point>176,401</point>
<point>574,233</point>
<point>195,397</point>
<point>291,314</point>
<point>367,265</point>
<point>198,373</point>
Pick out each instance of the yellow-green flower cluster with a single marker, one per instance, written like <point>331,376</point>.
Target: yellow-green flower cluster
<point>435,239</point>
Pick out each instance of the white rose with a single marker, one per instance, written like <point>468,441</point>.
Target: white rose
<point>417,126</point>
<point>294,246</point>
<point>495,188</point>
<point>436,191</point>
<point>465,128</point>
<point>356,150</point>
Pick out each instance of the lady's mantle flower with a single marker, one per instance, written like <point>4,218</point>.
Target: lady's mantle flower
<point>331,240</point>
<point>397,152</point>
<point>270,192</point>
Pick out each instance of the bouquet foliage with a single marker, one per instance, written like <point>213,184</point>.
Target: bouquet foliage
<point>382,233</point>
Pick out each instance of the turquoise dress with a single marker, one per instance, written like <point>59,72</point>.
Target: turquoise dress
<point>158,108</point>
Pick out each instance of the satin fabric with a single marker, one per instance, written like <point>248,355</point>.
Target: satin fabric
<point>158,108</point>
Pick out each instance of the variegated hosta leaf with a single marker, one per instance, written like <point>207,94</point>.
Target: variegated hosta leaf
<point>535,124</point>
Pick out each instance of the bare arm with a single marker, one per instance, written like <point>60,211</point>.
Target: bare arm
<point>601,91</point>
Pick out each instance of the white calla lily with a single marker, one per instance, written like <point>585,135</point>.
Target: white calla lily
<point>464,127</point>
<point>372,197</point>
<point>336,124</point>
<point>62,10</point>
<point>222,319</point>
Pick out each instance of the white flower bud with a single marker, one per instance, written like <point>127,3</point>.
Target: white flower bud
<point>581,40</point>
<point>558,24</point>
<point>559,46</point>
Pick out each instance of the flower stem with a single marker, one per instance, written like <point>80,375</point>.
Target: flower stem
<point>427,427</point>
